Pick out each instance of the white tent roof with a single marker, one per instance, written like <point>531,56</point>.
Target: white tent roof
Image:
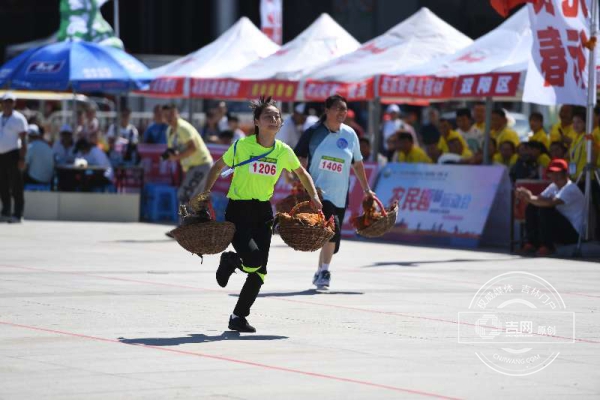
<point>500,54</point>
<point>322,41</point>
<point>237,47</point>
<point>505,49</point>
<point>419,38</point>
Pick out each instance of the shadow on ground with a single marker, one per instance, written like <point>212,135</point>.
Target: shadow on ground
<point>309,292</point>
<point>420,262</point>
<point>198,338</point>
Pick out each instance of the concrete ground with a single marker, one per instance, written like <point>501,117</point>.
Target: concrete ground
<point>119,311</point>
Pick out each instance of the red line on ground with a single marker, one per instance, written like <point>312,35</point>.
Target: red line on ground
<point>279,299</point>
<point>233,360</point>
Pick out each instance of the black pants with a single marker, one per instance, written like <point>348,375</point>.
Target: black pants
<point>253,221</point>
<point>11,184</point>
<point>330,209</point>
<point>546,226</point>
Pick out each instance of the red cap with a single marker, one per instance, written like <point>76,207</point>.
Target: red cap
<point>350,113</point>
<point>558,165</point>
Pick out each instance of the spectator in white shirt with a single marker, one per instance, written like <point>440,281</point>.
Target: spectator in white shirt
<point>39,160</point>
<point>556,215</point>
<point>293,126</point>
<point>95,157</point>
<point>127,135</point>
<point>468,130</point>
<point>13,131</point>
<point>396,124</point>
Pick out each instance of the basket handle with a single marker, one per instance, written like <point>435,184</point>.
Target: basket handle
<point>380,204</point>
<point>302,204</point>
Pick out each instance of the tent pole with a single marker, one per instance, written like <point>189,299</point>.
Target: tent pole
<point>589,167</point>
<point>374,108</point>
<point>74,113</point>
<point>489,104</point>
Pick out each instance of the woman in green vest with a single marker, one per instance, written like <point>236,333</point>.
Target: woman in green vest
<point>256,163</point>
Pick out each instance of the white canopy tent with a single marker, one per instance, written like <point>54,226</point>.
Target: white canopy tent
<point>420,38</point>
<point>493,65</point>
<point>236,48</point>
<point>278,75</point>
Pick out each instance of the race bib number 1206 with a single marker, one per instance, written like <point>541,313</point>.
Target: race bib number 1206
<point>263,168</point>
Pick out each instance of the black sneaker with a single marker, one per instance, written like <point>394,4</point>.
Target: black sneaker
<point>230,261</point>
<point>240,324</point>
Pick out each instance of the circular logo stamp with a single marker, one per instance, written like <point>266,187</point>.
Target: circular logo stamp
<point>342,143</point>
<point>516,321</point>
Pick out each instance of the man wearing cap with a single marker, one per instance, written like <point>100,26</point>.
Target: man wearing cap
<point>556,215</point>
<point>396,124</point>
<point>64,149</point>
<point>39,160</point>
<point>293,126</point>
<point>13,131</point>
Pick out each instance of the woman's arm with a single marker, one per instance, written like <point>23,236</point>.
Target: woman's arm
<point>359,170</point>
<point>309,185</point>
<point>213,174</point>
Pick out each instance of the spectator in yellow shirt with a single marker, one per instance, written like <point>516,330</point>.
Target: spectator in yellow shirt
<point>557,150</point>
<point>408,152</point>
<point>539,153</point>
<point>578,148</point>
<point>187,148</point>
<point>455,146</point>
<point>507,155</point>
<point>538,134</point>
<point>479,116</point>
<point>562,131</point>
<point>447,134</point>
<point>500,131</point>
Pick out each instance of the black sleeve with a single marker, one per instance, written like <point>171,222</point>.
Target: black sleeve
<point>302,148</point>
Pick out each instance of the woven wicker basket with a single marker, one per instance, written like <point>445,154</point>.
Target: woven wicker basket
<point>382,225</point>
<point>298,195</point>
<point>209,237</point>
<point>303,237</point>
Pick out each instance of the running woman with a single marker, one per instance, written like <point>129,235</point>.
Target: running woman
<point>330,148</point>
<point>256,162</point>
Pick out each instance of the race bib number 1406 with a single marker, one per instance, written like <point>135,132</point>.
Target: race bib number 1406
<point>332,164</point>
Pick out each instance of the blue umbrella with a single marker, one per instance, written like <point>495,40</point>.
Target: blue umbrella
<point>78,66</point>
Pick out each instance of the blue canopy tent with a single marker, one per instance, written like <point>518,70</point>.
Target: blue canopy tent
<point>76,66</point>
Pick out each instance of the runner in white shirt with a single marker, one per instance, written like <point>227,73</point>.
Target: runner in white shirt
<point>330,149</point>
<point>13,149</point>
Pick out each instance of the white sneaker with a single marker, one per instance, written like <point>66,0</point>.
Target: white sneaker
<point>323,280</point>
<point>315,277</point>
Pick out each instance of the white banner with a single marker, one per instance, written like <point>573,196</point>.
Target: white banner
<point>558,68</point>
<point>271,20</point>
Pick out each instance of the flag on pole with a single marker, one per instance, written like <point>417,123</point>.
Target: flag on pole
<point>82,20</point>
<point>503,7</point>
<point>558,67</point>
<point>271,19</point>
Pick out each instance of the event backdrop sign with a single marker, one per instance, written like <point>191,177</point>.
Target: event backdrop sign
<point>439,204</point>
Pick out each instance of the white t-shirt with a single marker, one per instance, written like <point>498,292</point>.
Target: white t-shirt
<point>10,128</point>
<point>574,202</point>
<point>290,132</point>
<point>127,133</point>
<point>473,137</point>
<point>392,126</point>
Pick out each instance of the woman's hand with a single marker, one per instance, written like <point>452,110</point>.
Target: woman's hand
<point>317,202</point>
